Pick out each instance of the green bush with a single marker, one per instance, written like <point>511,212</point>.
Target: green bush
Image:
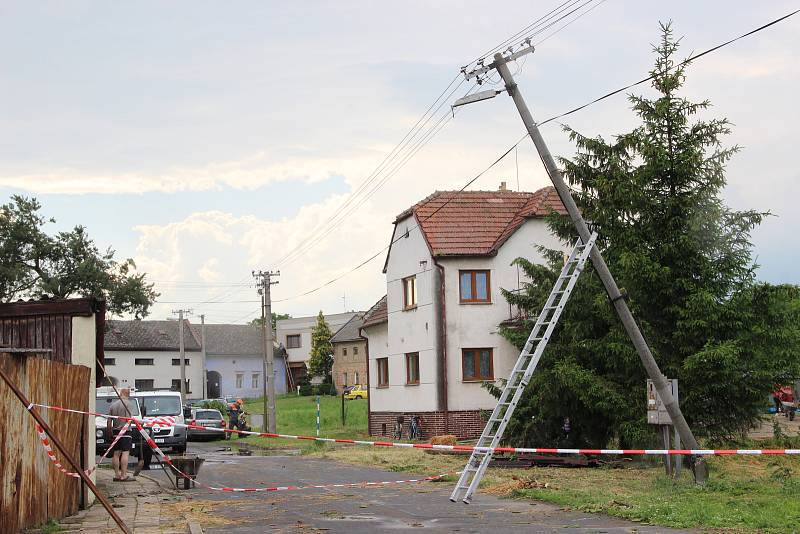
<point>305,386</point>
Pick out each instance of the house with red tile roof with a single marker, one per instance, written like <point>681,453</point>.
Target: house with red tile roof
<point>433,340</point>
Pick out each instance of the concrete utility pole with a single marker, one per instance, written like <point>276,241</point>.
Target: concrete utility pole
<point>617,297</point>
<point>265,281</point>
<point>182,350</point>
<point>203,352</point>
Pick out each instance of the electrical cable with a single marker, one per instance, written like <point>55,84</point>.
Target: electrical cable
<point>342,213</point>
<point>512,147</point>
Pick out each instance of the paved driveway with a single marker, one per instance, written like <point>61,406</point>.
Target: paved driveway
<point>422,506</point>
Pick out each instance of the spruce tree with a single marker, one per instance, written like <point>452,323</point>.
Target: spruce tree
<point>653,195</point>
<point>321,361</point>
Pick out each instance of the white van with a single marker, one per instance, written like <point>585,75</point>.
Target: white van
<point>161,404</point>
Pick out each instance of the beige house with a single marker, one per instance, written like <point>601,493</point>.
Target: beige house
<point>349,354</point>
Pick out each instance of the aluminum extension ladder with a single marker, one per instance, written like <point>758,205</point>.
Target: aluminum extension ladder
<point>521,374</point>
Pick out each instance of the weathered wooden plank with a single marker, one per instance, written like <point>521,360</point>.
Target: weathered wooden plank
<point>31,489</point>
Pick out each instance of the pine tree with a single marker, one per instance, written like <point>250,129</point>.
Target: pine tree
<point>653,195</point>
<point>321,361</point>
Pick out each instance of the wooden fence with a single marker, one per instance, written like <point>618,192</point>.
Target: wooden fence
<point>32,490</point>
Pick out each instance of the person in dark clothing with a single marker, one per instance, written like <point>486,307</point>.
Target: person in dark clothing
<point>145,452</point>
<point>566,428</point>
<point>234,411</point>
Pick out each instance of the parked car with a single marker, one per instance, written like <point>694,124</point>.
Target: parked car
<point>358,392</point>
<point>103,438</point>
<point>161,404</point>
<point>209,418</point>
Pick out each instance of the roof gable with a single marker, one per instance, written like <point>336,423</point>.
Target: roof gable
<point>377,314</point>
<point>350,331</point>
<point>477,223</point>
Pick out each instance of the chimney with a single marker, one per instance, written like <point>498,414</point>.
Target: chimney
<point>503,186</point>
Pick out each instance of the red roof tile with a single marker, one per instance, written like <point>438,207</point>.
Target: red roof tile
<point>377,314</point>
<point>477,223</point>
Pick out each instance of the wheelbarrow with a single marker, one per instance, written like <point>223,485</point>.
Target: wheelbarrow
<point>189,465</point>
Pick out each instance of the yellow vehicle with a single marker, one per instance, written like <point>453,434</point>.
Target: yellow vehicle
<point>357,392</point>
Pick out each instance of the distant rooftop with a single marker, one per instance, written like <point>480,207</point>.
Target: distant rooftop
<point>149,335</point>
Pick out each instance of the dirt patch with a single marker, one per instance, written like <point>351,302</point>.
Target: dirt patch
<point>507,488</point>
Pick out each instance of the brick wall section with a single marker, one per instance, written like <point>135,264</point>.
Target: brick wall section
<point>467,424</point>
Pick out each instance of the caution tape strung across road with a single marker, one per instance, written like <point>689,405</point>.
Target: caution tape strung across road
<point>463,448</point>
<point>52,455</point>
<point>45,441</point>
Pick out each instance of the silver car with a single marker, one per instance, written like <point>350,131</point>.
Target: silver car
<point>207,418</point>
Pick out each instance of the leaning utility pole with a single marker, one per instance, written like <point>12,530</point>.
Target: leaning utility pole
<point>618,298</point>
<point>182,350</point>
<point>265,281</point>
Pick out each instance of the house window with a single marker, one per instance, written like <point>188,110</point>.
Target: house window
<point>176,385</point>
<point>476,364</point>
<point>239,380</point>
<point>383,372</point>
<point>254,381</point>
<point>412,368</point>
<point>177,361</point>
<point>355,350</point>
<point>355,379</point>
<point>143,361</point>
<point>409,292</point>
<point>145,384</point>
<point>110,361</point>
<point>293,341</point>
<point>344,379</point>
<point>344,351</point>
<point>474,286</point>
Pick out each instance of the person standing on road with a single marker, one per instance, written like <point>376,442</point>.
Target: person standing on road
<point>120,408</point>
<point>234,411</point>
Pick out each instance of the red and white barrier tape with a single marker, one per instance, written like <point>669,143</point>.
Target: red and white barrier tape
<point>52,455</point>
<point>467,448</point>
<point>157,450</point>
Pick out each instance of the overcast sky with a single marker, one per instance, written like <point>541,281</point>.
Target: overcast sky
<point>207,139</point>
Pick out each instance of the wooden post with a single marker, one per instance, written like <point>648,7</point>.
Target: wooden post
<point>63,451</point>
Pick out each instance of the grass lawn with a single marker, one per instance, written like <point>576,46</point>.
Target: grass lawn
<point>298,416</point>
<point>745,494</point>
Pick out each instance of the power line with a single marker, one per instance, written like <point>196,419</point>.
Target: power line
<point>681,64</point>
<point>341,214</point>
<point>512,147</point>
<point>398,148</point>
<point>363,263</point>
<point>521,32</point>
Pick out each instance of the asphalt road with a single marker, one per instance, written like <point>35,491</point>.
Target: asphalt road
<point>356,510</point>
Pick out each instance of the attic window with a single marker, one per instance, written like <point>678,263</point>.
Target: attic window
<point>117,331</point>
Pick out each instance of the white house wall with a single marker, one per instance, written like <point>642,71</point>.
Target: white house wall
<point>229,366</point>
<point>476,325</point>
<point>84,341</point>
<point>408,330</point>
<point>162,372</point>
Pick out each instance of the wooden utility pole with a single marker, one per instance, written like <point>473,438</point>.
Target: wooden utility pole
<point>182,350</point>
<point>203,353</point>
<point>265,282</point>
<point>618,298</point>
